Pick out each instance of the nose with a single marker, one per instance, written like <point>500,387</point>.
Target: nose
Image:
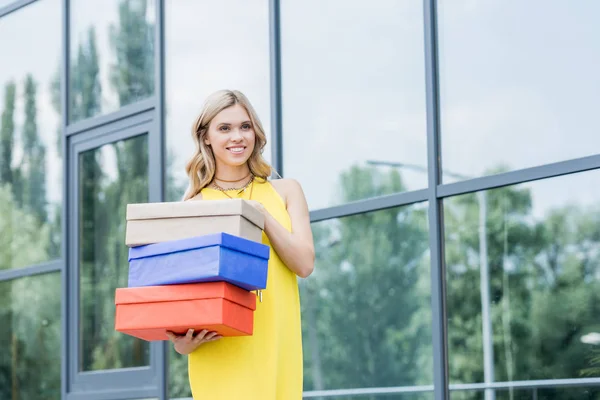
<point>236,135</point>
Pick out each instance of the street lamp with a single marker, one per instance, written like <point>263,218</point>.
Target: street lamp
<point>484,279</point>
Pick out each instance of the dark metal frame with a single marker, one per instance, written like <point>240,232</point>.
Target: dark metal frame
<point>147,116</point>
<point>122,380</point>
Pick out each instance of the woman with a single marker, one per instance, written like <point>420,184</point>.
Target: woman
<point>228,164</point>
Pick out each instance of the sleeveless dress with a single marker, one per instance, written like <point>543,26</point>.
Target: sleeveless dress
<point>268,364</point>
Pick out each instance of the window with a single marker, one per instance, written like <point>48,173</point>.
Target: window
<point>111,55</point>
<point>353,94</point>
<point>229,49</point>
<point>30,337</point>
<point>110,177</point>
<point>538,245</point>
<point>366,310</point>
<point>30,137</point>
<point>518,82</point>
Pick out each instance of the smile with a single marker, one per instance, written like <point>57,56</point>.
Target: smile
<point>236,150</point>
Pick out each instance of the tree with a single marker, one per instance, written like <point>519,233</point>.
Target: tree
<point>132,78</point>
<point>85,102</point>
<point>105,254</point>
<point>33,164</point>
<point>19,230</point>
<point>7,130</point>
<point>363,307</point>
<point>543,289</point>
<point>85,91</point>
<point>133,40</point>
<point>7,138</point>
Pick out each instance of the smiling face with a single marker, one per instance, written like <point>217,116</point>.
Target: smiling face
<point>231,136</point>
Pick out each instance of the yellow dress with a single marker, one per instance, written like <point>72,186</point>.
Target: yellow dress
<point>268,364</point>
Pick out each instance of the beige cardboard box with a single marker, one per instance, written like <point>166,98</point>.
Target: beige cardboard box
<point>159,222</point>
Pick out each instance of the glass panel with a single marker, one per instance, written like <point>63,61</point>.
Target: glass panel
<point>367,396</point>
<point>179,384</point>
<point>366,316</point>
<point>30,136</point>
<point>4,3</point>
<point>200,62</point>
<point>569,393</point>
<point>112,55</point>
<point>110,177</point>
<point>517,90</point>
<point>353,92</point>
<point>30,332</point>
<point>539,246</point>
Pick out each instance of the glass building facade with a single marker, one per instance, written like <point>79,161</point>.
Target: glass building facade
<point>449,151</point>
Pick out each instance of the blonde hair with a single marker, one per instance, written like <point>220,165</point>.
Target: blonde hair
<point>201,167</point>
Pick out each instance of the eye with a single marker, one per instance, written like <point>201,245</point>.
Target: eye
<point>224,128</point>
<point>246,127</point>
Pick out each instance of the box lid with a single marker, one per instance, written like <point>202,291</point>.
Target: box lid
<point>190,291</point>
<point>197,242</point>
<point>195,208</point>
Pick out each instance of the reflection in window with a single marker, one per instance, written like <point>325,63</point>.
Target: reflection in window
<point>517,91</point>
<point>201,61</point>
<point>112,55</point>
<point>30,146</point>
<point>179,384</point>
<point>540,243</point>
<point>399,396</point>
<point>353,92</point>
<point>366,316</point>
<point>580,393</point>
<point>110,177</point>
<point>30,332</point>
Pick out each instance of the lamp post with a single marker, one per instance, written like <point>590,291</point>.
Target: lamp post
<point>484,278</point>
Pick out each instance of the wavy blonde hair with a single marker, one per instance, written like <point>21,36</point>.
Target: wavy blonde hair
<point>201,167</point>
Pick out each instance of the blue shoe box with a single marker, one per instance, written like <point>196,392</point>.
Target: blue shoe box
<point>208,258</point>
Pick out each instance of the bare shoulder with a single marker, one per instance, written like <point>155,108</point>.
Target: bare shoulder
<point>288,189</point>
<point>195,198</point>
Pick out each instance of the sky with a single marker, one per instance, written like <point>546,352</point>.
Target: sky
<point>519,82</point>
<point>37,52</point>
<point>5,2</point>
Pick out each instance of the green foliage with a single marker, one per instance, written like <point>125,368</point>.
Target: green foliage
<point>366,318</point>
<point>7,131</point>
<point>104,255</point>
<point>23,241</point>
<point>85,90</point>
<point>33,164</point>
<point>30,312</point>
<point>543,288</point>
<point>104,198</point>
<point>133,40</point>
<point>366,308</point>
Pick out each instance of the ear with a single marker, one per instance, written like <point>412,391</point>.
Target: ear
<point>206,140</point>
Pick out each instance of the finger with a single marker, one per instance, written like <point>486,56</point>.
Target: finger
<point>171,335</point>
<point>190,334</point>
<point>210,335</point>
<point>217,337</point>
<point>200,336</point>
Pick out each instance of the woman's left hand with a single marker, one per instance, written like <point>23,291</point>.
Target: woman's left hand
<point>295,247</point>
<point>259,207</point>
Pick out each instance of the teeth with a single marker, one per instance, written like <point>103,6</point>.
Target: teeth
<point>236,149</point>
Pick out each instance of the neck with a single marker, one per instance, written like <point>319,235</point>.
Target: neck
<point>227,173</point>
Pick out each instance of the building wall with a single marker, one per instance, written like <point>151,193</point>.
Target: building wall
<point>449,153</point>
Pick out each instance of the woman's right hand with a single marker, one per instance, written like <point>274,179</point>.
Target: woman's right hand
<point>185,344</point>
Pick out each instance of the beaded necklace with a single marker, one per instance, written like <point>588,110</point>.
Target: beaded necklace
<point>240,190</point>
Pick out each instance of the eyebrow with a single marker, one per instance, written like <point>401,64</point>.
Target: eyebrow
<point>228,123</point>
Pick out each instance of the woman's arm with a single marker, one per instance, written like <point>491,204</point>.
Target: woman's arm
<point>296,248</point>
